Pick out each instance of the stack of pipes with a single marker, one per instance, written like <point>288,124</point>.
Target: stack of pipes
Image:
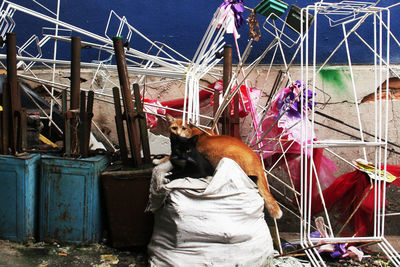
<point>133,115</point>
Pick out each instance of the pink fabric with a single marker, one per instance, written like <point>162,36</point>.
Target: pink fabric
<point>254,93</point>
<point>283,136</point>
<point>152,119</point>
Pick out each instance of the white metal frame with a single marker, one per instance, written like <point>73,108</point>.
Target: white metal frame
<point>352,11</point>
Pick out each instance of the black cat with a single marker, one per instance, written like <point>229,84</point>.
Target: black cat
<point>187,161</point>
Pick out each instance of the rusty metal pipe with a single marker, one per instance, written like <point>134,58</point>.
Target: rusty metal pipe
<point>75,91</point>
<point>142,124</point>
<point>119,122</point>
<point>89,112</point>
<point>22,131</point>
<point>12,62</point>
<point>86,121</point>
<point>216,102</point>
<point>75,71</point>
<point>82,124</point>
<point>67,126</point>
<point>15,100</point>
<point>5,122</point>
<point>226,78</point>
<point>133,133</point>
<point>235,124</point>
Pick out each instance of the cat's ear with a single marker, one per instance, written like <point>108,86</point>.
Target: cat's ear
<point>192,125</point>
<point>169,118</point>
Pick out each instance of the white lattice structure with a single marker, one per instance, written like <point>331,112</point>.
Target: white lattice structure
<point>349,15</point>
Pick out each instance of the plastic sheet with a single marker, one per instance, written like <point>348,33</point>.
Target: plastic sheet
<point>216,221</point>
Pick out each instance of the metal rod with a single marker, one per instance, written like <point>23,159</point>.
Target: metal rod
<point>235,124</point>
<point>88,121</point>
<point>22,132</point>
<point>134,138</point>
<point>15,100</point>
<point>142,124</point>
<point>75,91</point>
<point>352,136</point>
<point>82,124</point>
<point>53,78</point>
<point>352,127</point>
<point>226,78</point>
<point>120,127</point>
<point>67,125</point>
<point>75,71</point>
<point>87,33</point>
<point>135,70</point>
<point>5,127</point>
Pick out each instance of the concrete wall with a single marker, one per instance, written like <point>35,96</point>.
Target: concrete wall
<point>334,85</point>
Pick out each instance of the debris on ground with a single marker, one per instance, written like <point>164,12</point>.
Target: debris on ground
<point>46,255</point>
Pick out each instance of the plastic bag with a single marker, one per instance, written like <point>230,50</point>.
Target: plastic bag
<point>216,221</point>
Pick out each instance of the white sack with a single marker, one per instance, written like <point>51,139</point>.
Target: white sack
<point>217,221</point>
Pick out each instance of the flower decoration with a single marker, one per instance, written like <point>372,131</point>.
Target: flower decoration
<point>290,101</point>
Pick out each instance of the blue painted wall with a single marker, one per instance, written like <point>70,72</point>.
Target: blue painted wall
<point>181,24</point>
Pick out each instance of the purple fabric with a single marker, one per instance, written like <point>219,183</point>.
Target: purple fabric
<point>287,100</point>
<point>340,249</point>
<point>237,7</point>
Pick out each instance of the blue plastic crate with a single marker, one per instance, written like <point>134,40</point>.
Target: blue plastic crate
<point>19,197</point>
<point>70,206</point>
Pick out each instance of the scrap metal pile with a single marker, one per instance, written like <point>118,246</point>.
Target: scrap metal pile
<point>283,127</point>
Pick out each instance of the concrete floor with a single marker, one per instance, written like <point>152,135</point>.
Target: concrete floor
<point>97,255</point>
<point>54,255</point>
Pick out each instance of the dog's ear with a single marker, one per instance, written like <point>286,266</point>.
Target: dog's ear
<point>169,118</point>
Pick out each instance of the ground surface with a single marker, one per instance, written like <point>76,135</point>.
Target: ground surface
<point>54,255</point>
<point>97,255</point>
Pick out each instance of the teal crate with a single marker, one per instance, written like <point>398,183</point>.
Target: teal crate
<point>19,197</point>
<point>294,18</point>
<point>70,206</point>
<point>267,7</point>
